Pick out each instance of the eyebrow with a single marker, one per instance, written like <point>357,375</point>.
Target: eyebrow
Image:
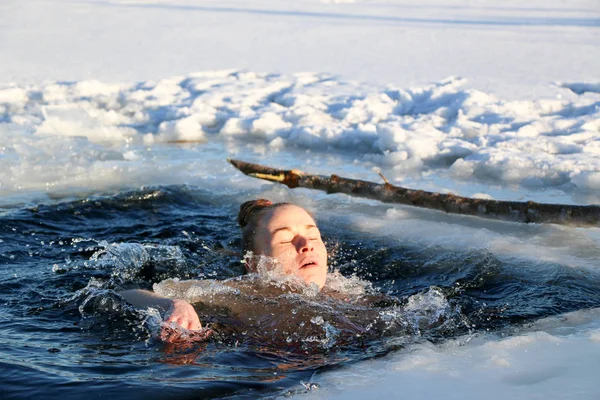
<point>287,228</point>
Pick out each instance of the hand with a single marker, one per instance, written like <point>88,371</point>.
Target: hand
<point>183,314</point>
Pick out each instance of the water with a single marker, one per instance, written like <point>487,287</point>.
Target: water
<point>64,328</point>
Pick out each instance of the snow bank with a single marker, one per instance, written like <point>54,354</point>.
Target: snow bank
<point>445,126</point>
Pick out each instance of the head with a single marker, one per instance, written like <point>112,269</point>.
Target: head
<point>288,233</point>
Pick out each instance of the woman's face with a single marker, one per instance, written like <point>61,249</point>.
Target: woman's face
<point>290,234</point>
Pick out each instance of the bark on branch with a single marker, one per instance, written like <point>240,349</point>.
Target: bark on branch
<point>527,212</point>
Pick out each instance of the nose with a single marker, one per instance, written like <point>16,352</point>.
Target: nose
<point>303,244</point>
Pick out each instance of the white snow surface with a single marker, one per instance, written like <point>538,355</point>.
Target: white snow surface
<point>444,129</point>
<point>479,98</point>
<point>541,364</point>
<point>512,49</point>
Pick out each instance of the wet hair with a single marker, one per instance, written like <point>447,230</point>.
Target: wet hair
<point>249,218</point>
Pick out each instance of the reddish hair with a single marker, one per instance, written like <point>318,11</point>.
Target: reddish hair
<point>249,217</point>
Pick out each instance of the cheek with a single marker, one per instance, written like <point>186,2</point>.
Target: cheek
<point>285,255</point>
<point>322,249</point>
<point>261,244</point>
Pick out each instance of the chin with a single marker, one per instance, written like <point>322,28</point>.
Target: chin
<point>319,281</point>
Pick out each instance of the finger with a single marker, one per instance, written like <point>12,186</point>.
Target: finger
<point>192,325</point>
<point>183,322</point>
<point>177,320</point>
<point>170,317</point>
<point>195,325</point>
<point>186,323</point>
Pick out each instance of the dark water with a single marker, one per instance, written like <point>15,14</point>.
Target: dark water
<point>64,331</point>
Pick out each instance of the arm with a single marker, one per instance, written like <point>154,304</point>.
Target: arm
<point>176,310</point>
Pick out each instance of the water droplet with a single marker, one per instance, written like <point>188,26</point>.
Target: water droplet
<point>309,385</point>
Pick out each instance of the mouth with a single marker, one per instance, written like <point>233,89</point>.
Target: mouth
<point>308,264</point>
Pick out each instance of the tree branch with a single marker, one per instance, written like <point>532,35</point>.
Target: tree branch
<point>527,212</point>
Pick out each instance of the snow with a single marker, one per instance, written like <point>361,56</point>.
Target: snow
<point>445,128</point>
<point>535,365</point>
<point>483,99</point>
<point>511,49</point>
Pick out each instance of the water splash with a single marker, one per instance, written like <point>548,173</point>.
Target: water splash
<point>270,270</point>
<point>131,262</point>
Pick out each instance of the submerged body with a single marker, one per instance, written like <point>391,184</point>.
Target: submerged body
<point>278,311</point>
<point>284,233</point>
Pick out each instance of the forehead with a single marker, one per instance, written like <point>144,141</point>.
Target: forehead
<point>286,216</point>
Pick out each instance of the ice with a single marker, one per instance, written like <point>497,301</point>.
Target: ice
<point>443,128</point>
<point>523,366</point>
